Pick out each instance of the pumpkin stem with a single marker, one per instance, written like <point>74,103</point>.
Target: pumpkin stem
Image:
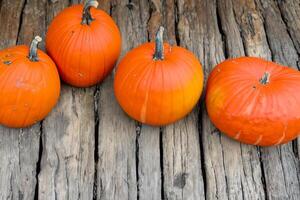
<point>86,16</point>
<point>265,79</point>
<point>33,49</point>
<point>159,44</point>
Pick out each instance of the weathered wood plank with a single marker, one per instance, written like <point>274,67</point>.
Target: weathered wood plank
<point>290,12</point>
<point>230,30</point>
<point>67,166</point>
<point>252,28</point>
<point>148,153</point>
<point>19,148</point>
<point>19,152</point>
<point>149,169</point>
<point>209,48</point>
<point>280,44</point>
<point>182,173</point>
<point>242,167</point>
<point>116,169</point>
<point>280,162</point>
<point>230,167</point>
<point>10,23</point>
<point>227,163</point>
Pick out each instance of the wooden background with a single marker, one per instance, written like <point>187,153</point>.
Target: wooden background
<point>87,148</point>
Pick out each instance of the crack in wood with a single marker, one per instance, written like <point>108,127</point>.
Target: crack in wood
<point>137,151</point>
<point>161,163</point>
<point>223,165</point>
<point>176,21</point>
<point>38,164</point>
<point>221,31</point>
<point>263,177</point>
<point>96,143</point>
<point>202,160</point>
<point>21,20</point>
<point>289,31</point>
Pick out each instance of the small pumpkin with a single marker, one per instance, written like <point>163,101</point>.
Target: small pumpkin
<point>255,101</point>
<point>29,83</point>
<point>85,43</point>
<point>157,83</point>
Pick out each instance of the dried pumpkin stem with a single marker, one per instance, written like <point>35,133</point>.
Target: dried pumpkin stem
<point>159,44</point>
<point>86,16</point>
<point>265,79</point>
<point>33,49</point>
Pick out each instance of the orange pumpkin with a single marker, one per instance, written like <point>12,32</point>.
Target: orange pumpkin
<point>29,83</point>
<point>157,83</point>
<point>85,43</point>
<point>255,101</point>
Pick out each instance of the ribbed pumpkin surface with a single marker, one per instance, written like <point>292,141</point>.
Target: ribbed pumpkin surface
<point>245,108</point>
<point>28,90</point>
<point>158,92</point>
<point>84,54</point>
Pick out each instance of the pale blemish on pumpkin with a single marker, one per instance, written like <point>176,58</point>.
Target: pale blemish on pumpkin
<point>170,48</point>
<point>80,74</point>
<point>283,135</point>
<point>237,136</point>
<point>258,140</point>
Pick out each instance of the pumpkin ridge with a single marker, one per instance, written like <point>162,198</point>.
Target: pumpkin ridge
<point>104,58</point>
<point>145,73</point>
<point>32,103</point>
<point>134,69</point>
<point>122,85</point>
<point>161,67</point>
<point>181,87</point>
<point>92,46</point>
<point>144,109</point>
<point>232,96</point>
<point>62,32</point>
<point>79,61</point>
<point>67,52</point>
<point>64,39</point>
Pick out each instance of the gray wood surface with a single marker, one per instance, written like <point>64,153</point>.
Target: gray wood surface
<point>88,148</point>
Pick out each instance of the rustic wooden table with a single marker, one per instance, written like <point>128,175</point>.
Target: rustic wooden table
<point>87,148</point>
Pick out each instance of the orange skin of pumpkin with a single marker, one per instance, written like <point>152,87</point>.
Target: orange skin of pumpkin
<point>251,112</point>
<point>84,54</point>
<point>29,90</point>
<point>158,92</point>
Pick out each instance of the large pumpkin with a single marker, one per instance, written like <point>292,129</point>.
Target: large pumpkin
<point>157,83</point>
<point>85,43</point>
<point>29,83</point>
<point>255,101</point>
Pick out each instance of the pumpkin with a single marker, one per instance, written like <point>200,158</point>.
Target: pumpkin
<point>29,83</point>
<point>255,101</point>
<point>157,83</point>
<point>85,43</point>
